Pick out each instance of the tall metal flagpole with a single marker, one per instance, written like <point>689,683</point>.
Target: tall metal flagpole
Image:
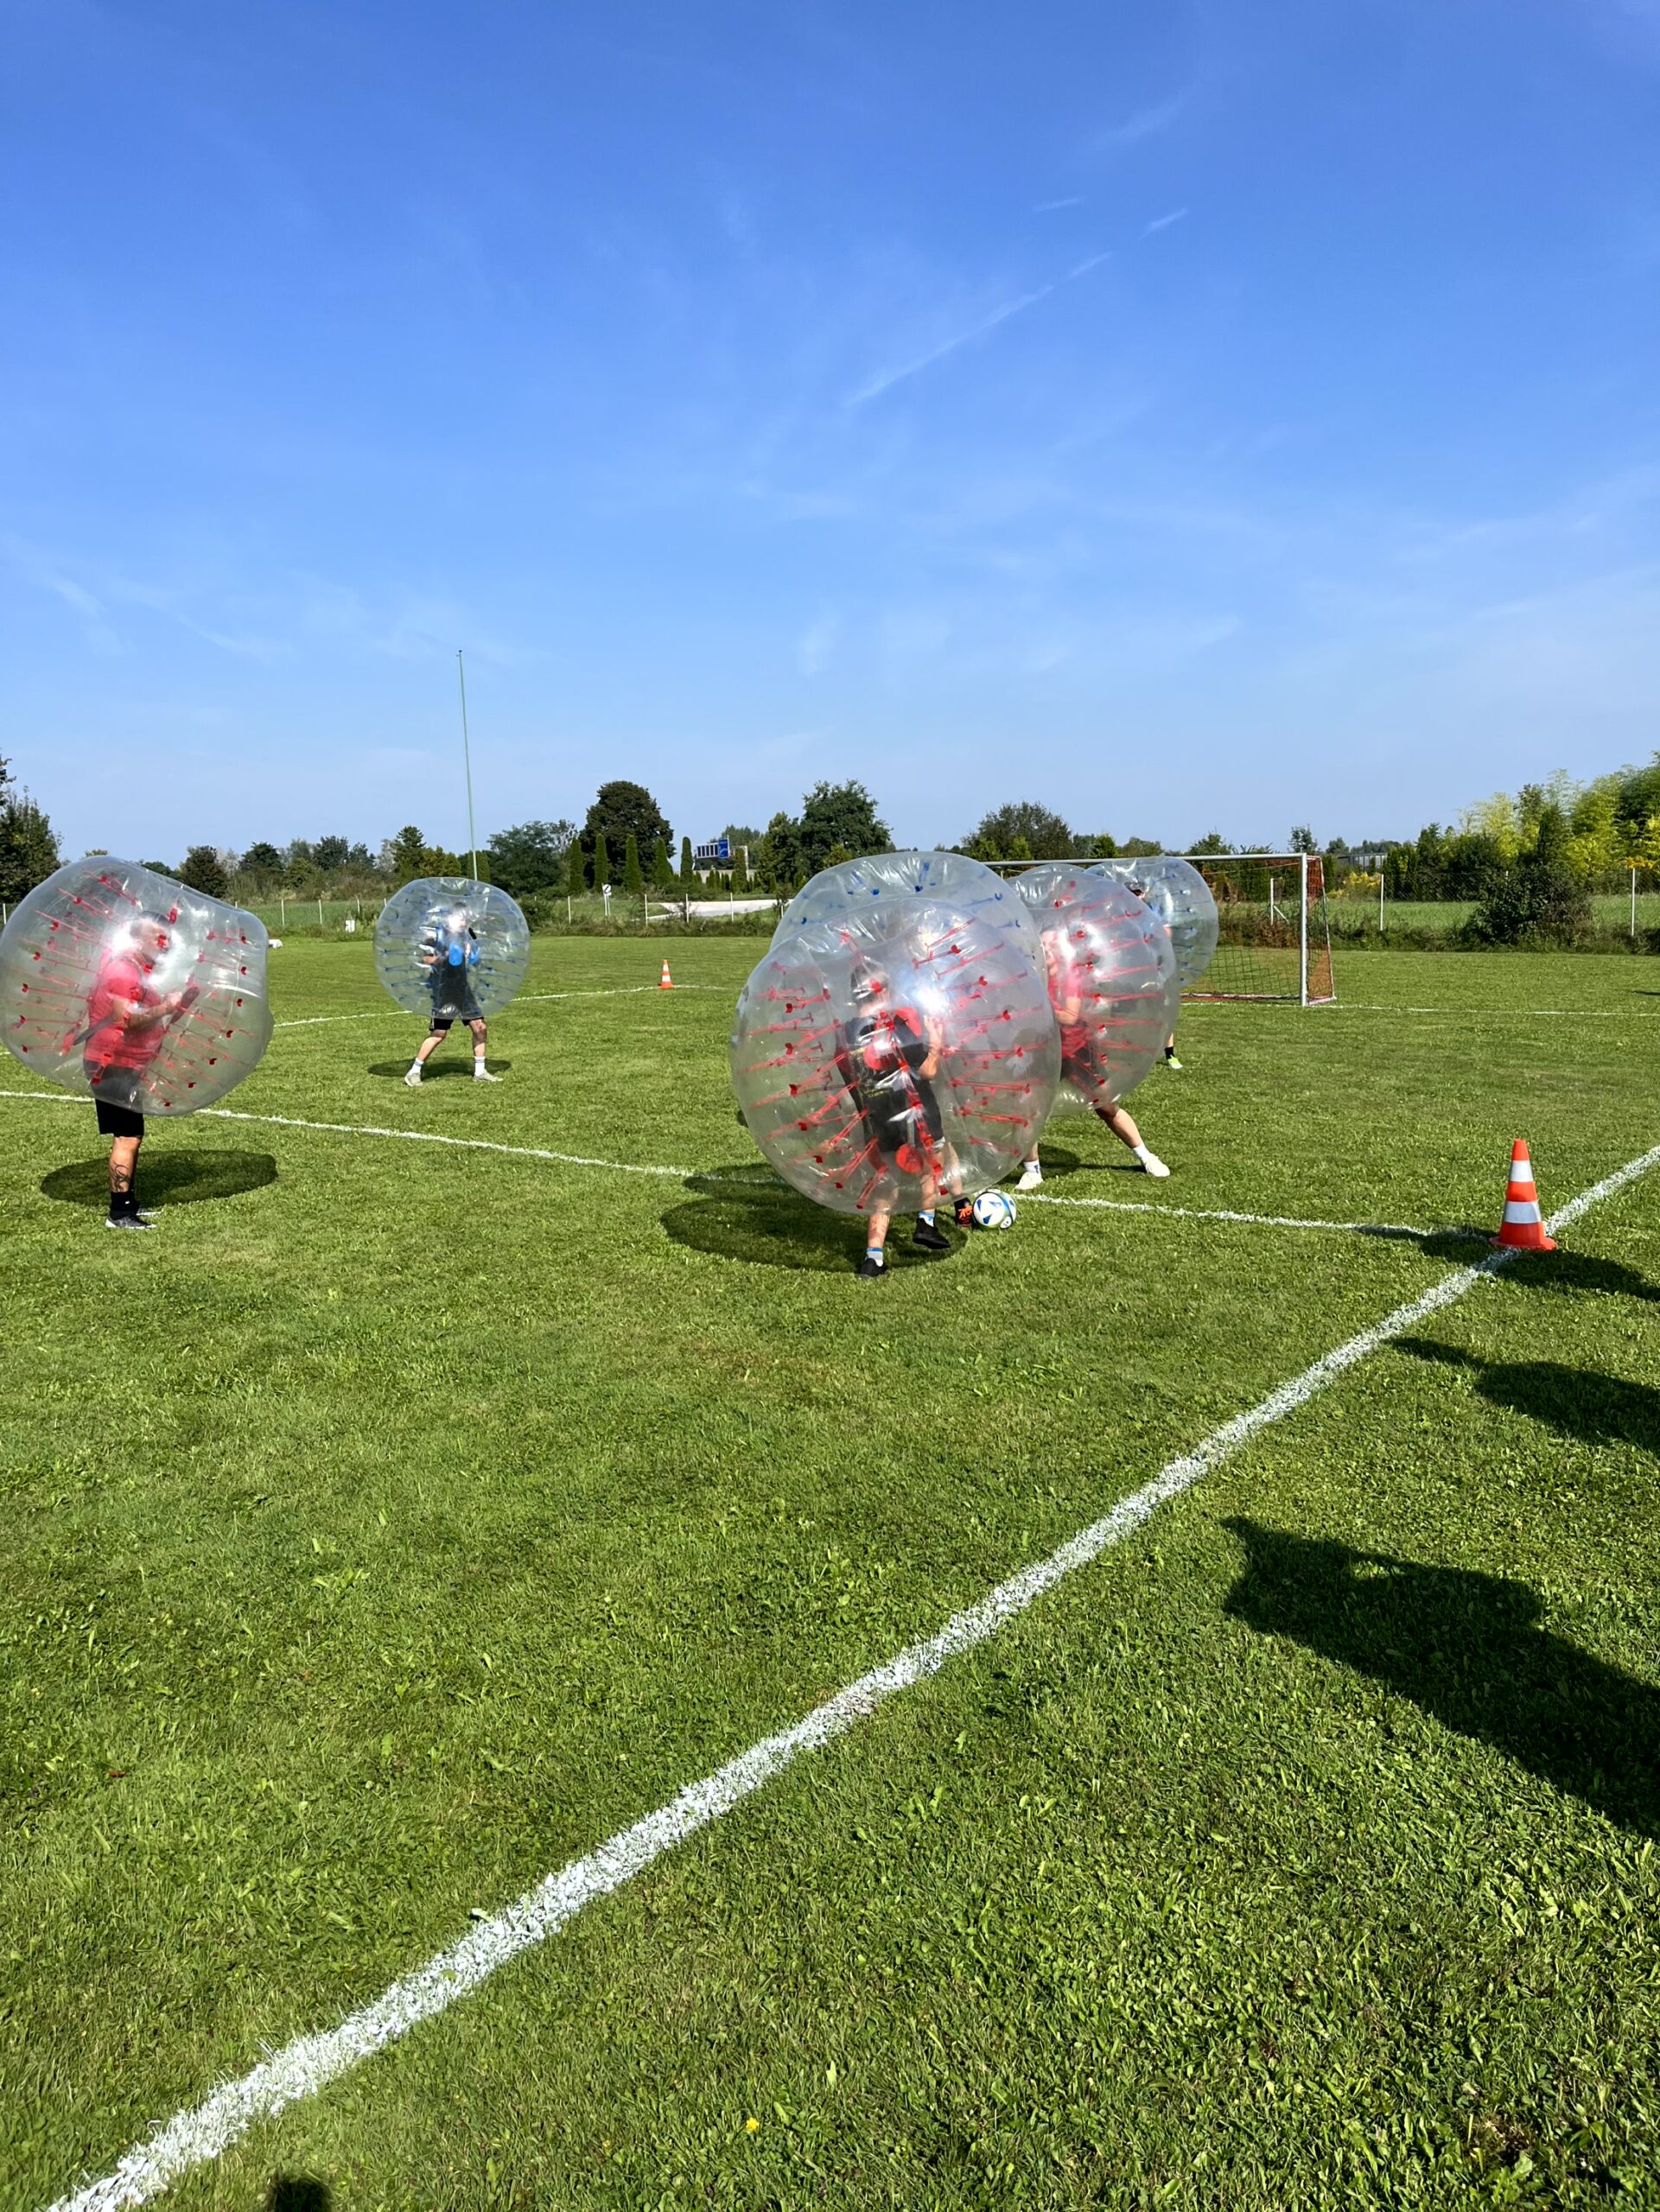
<point>467,759</point>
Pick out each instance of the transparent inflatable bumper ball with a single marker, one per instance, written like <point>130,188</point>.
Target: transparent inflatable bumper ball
<point>450,949</point>
<point>1110,965</point>
<point>898,1058</point>
<point>126,986</point>
<point>858,889</point>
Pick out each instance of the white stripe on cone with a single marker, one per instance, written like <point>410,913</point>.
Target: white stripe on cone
<point>1522,1210</point>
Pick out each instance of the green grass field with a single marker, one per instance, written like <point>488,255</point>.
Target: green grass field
<point>398,1520</point>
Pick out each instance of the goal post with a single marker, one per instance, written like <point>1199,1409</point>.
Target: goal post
<point>1274,928</point>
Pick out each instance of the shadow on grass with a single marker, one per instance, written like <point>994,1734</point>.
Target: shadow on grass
<point>1468,1649</point>
<point>1573,1401</point>
<point>438,1068</point>
<point>746,1213</point>
<point>166,1178</point>
<point>298,2193</point>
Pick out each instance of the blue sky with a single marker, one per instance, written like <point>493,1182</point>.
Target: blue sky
<point>1192,416</point>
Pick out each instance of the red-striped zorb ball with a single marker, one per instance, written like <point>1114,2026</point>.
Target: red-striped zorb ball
<point>1110,967</point>
<point>126,986</point>
<point>895,1058</point>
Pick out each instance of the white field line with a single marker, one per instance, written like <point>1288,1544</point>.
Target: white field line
<point>700,1175</point>
<point>1253,1220</point>
<point>525,998</point>
<point>309,2063</point>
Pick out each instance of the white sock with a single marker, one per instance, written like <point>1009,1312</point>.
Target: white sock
<point>478,1067</point>
<point>1143,1152</point>
<point>415,1067</point>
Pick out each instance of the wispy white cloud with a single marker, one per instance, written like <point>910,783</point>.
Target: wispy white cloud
<point>817,644</point>
<point>1145,123</point>
<point>887,378</point>
<point>1049,207</point>
<point>1163,222</point>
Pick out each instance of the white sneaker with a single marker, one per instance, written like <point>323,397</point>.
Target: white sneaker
<point>413,1078</point>
<point>483,1075</point>
<point>1154,1166</point>
<point>1031,1176</point>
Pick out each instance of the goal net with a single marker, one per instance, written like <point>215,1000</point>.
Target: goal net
<point>1274,935</point>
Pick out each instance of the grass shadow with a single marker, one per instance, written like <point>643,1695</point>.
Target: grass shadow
<point>1573,1401</point>
<point>1469,1650</point>
<point>298,2193</point>
<point>166,1178</point>
<point>438,1068</point>
<point>747,1214</point>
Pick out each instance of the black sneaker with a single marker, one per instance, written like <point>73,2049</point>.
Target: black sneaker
<point>134,1220</point>
<point>931,1238</point>
<point>871,1269</point>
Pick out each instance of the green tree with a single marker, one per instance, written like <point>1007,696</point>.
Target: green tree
<point>1212,843</point>
<point>632,881</point>
<point>1302,839</point>
<point>1045,835</point>
<point>1103,847</point>
<point>740,873</point>
<point>1020,851</point>
<point>575,869</point>
<point>621,810</point>
<point>688,871</point>
<point>332,853</point>
<point>840,817</point>
<point>780,854</point>
<point>204,870</point>
<point>601,862</point>
<point>1145,849</point>
<point>405,857</point>
<point>28,851</point>
<point>662,871</point>
<point>262,861</point>
<point>531,857</point>
<point>1537,899</point>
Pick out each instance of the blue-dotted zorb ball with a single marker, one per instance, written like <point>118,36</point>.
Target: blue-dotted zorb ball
<point>451,950</point>
<point>1112,969</point>
<point>123,985</point>
<point>890,1059</point>
<point>1182,899</point>
<point>862,888</point>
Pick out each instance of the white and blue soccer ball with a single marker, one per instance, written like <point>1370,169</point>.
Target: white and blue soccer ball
<point>994,1209</point>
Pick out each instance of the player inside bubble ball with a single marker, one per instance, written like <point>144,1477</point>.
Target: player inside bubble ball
<point>127,1022</point>
<point>1082,1061</point>
<point>888,1056</point>
<point>449,955</point>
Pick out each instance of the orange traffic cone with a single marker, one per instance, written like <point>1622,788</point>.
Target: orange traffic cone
<point>666,984</point>
<point>1523,1230</point>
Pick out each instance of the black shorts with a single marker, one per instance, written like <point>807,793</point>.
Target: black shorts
<point>115,1089</point>
<point>443,1023</point>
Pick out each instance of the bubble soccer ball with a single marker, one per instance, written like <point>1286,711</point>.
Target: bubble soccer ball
<point>451,950</point>
<point>1182,898</point>
<point>127,986</point>
<point>856,887</point>
<point>1112,977</point>
<point>886,1061</point>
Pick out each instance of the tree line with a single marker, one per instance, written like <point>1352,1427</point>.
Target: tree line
<point>1589,831</point>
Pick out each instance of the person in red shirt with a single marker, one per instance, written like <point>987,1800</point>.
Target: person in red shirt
<point>127,1019</point>
<point>1081,1063</point>
<point>888,1056</point>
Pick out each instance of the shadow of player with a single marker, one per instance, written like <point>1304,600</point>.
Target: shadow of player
<point>298,2193</point>
<point>1573,1401</point>
<point>439,1067</point>
<point>1469,1650</point>
<point>746,1213</point>
<point>166,1177</point>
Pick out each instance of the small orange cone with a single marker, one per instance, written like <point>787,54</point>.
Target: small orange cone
<point>1523,1230</point>
<point>666,984</point>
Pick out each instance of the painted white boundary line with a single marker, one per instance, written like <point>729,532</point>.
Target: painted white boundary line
<point>704,1175</point>
<point>1254,1220</point>
<point>525,998</point>
<point>1497,1013</point>
<point>308,2065</point>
